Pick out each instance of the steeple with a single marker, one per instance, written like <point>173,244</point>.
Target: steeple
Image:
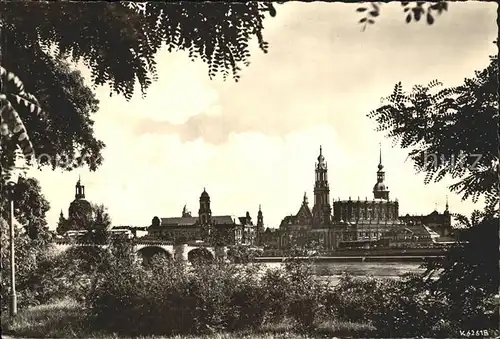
<point>447,207</point>
<point>380,166</point>
<point>204,213</point>
<point>260,218</point>
<point>260,226</point>
<point>305,201</point>
<point>79,189</point>
<point>380,190</point>
<point>321,210</point>
<point>321,158</point>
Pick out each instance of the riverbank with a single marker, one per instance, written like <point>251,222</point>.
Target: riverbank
<point>67,319</point>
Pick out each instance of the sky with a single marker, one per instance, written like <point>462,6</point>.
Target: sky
<point>255,142</point>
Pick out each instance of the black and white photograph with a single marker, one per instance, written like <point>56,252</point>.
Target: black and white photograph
<point>249,170</point>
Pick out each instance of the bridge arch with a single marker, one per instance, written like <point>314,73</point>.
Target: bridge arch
<point>148,252</point>
<point>200,254</point>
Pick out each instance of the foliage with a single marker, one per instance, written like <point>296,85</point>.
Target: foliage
<point>304,294</point>
<point>15,100</point>
<point>469,274</point>
<point>30,207</point>
<point>98,227</point>
<point>29,253</point>
<point>452,131</point>
<point>168,298</point>
<point>64,138</point>
<point>243,254</point>
<point>118,41</point>
<point>95,224</point>
<point>415,12</point>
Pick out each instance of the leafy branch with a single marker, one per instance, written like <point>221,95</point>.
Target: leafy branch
<point>413,10</point>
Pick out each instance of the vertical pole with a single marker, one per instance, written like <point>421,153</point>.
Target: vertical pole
<point>13,305</point>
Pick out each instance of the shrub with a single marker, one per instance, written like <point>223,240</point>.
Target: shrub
<point>353,299</point>
<point>168,298</point>
<point>305,294</point>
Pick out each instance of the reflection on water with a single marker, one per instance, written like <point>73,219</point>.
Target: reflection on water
<point>332,271</point>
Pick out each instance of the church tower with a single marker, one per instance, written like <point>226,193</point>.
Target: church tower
<point>380,190</point>
<point>322,210</point>
<point>79,190</point>
<point>204,213</point>
<point>260,226</point>
<point>260,221</point>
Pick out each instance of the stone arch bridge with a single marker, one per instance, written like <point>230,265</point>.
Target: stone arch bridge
<point>146,249</point>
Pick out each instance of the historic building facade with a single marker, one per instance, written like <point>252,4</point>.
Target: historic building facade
<point>350,222</point>
<point>439,223</point>
<point>218,230</point>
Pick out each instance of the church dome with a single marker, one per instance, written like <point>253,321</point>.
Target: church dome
<point>80,209</point>
<point>379,186</point>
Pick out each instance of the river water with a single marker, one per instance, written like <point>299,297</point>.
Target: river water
<point>332,271</point>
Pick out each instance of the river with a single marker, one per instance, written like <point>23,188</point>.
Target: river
<point>332,271</point>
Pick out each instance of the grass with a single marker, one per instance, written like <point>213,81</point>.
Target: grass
<point>67,319</point>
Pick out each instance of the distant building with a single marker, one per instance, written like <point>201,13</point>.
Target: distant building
<point>129,232</point>
<point>348,221</point>
<point>409,235</point>
<point>80,213</point>
<point>356,222</point>
<point>437,222</point>
<point>223,229</point>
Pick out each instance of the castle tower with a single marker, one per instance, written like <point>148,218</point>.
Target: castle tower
<point>322,210</point>
<point>380,190</point>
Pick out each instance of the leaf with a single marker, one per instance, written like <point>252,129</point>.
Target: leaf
<point>417,13</point>
<point>361,9</point>
<point>430,19</point>
<point>272,10</point>
<point>363,20</point>
<point>408,18</point>
<point>374,13</point>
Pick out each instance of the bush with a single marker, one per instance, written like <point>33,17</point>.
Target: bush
<point>169,298</point>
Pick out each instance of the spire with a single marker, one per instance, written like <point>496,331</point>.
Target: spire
<point>380,190</point>
<point>305,201</point>
<point>321,158</point>
<point>447,206</point>
<point>61,215</point>
<point>260,208</point>
<point>380,166</point>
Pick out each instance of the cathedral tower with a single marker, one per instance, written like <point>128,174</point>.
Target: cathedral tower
<point>380,190</point>
<point>322,210</point>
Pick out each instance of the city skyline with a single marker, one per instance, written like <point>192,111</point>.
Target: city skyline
<point>255,142</point>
